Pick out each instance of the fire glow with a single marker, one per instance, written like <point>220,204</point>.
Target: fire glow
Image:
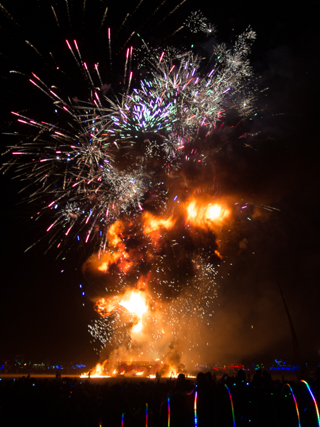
<point>140,296</point>
<point>133,301</point>
<point>153,224</point>
<point>135,304</point>
<point>207,215</point>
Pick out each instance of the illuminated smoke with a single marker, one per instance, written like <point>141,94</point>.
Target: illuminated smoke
<point>169,263</point>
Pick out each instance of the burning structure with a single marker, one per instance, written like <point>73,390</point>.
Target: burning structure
<point>157,281</point>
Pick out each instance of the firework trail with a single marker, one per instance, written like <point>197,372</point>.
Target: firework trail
<point>131,177</point>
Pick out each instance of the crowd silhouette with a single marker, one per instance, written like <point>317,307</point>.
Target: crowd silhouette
<point>202,402</point>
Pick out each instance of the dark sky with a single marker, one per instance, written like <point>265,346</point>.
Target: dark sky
<point>43,313</point>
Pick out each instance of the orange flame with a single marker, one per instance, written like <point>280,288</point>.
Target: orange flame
<point>105,307</point>
<point>97,372</point>
<point>118,254</point>
<point>109,258</point>
<point>205,215</point>
<point>133,301</point>
<point>113,234</point>
<point>153,223</point>
<point>172,372</point>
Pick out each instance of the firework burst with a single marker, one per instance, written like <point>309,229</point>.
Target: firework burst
<point>98,161</point>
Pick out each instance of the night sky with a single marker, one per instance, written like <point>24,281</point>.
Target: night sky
<point>44,315</point>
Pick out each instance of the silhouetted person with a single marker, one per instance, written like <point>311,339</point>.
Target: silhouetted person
<point>206,404</point>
